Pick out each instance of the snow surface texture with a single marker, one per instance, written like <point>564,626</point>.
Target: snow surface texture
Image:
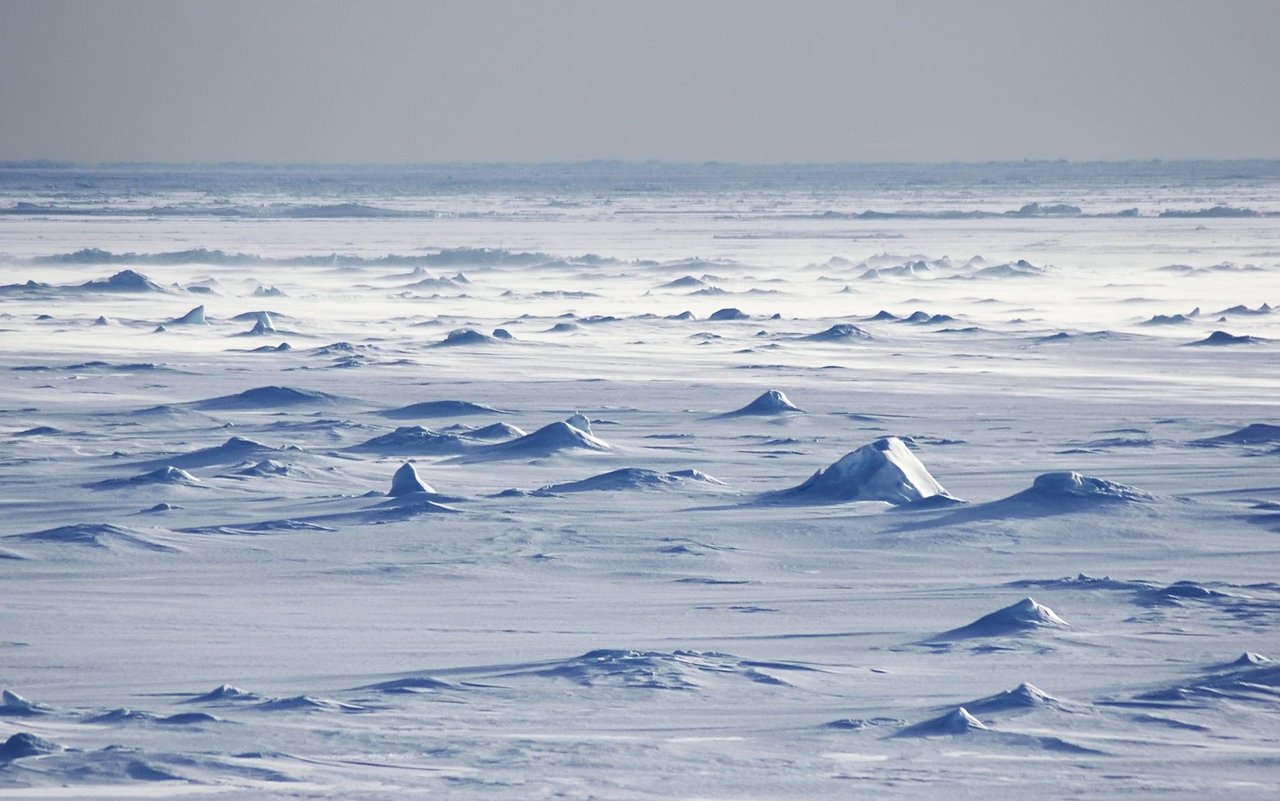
<point>228,570</point>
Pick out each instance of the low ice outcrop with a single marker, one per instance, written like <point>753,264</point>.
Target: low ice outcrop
<point>441,408</point>
<point>885,470</point>
<point>840,332</point>
<point>957,721</point>
<point>411,441</point>
<point>1252,434</point>
<point>272,397</point>
<point>551,439</point>
<point>769,403</point>
<point>634,478</point>
<point>167,475</point>
<point>1069,487</point>
<point>1025,616</point>
<point>13,705</point>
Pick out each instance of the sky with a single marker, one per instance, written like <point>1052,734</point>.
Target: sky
<point>390,82</point>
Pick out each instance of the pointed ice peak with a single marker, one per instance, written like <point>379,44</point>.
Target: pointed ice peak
<point>1019,618</point>
<point>1251,659</point>
<point>263,325</point>
<point>957,721</point>
<point>406,482</point>
<point>193,317</point>
<point>1029,611</point>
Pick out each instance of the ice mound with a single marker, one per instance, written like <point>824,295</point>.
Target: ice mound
<point>168,474</point>
<point>1252,678</point>
<point>96,535</point>
<point>727,314</point>
<point>441,408</point>
<point>261,328</point>
<point>413,440</point>
<point>1065,487</point>
<point>1252,434</point>
<point>840,332</point>
<point>272,397</point>
<point>633,478</point>
<point>222,694</point>
<point>264,468</point>
<point>495,432</point>
<point>25,744</point>
<point>770,402</point>
<point>234,450</point>
<point>884,470</point>
<point>1024,616</point>
<point>465,336</point>
<point>656,670</point>
<point>1017,269</point>
<point>406,482</point>
<point>193,317</point>
<point>580,421</point>
<point>307,703</point>
<point>123,281</point>
<point>957,721</point>
<point>412,685</point>
<point>13,705</point>
<point>924,318</point>
<point>551,439</point>
<point>1224,338</point>
<point>1021,698</point>
<point>685,282</point>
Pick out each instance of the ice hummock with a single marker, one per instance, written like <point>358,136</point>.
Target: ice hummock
<point>884,470</point>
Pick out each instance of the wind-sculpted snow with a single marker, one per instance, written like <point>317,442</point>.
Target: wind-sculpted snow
<point>227,432</point>
<point>104,536</point>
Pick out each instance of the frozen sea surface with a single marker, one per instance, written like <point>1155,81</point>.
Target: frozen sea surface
<point>723,482</point>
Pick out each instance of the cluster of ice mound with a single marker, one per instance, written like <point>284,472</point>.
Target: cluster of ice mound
<point>884,470</point>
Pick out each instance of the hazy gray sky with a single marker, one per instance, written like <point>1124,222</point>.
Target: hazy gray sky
<point>394,82</point>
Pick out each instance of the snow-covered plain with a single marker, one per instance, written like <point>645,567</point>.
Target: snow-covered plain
<point>1024,544</point>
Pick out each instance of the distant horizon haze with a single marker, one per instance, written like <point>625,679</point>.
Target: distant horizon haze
<point>395,83</point>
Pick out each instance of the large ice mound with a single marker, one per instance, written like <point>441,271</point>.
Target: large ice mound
<point>884,470</point>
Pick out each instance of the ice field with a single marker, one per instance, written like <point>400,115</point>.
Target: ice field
<point>722,482</point>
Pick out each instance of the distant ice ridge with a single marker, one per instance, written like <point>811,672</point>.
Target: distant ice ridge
<point>884,470</point>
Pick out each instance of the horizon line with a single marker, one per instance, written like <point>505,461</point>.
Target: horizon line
<point>67,164</point>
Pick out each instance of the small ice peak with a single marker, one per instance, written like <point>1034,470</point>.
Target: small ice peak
<point>1029,611</point>
<point>406,482</point>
